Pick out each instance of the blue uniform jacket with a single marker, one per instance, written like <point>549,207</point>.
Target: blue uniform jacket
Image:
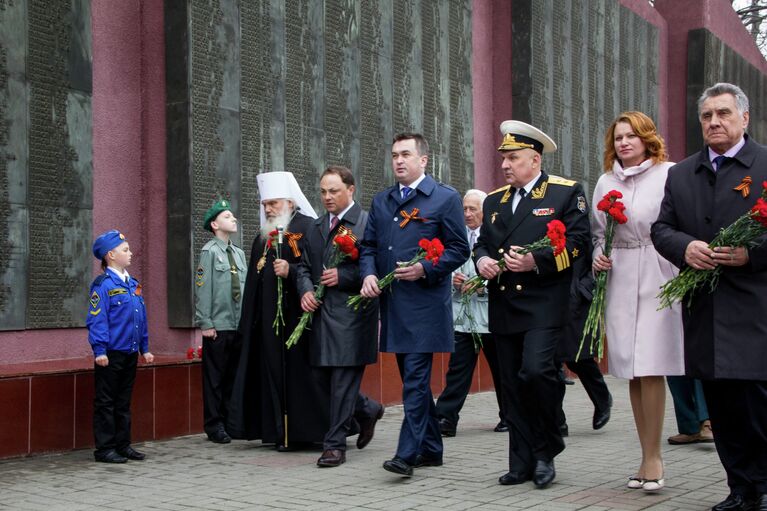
<point>416,317</point>
<point>116,316</point>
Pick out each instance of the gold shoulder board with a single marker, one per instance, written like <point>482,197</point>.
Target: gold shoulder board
<point>501,189</point>
<point>556,180</point>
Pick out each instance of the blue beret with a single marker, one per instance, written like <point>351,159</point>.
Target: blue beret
<point>107,242</point>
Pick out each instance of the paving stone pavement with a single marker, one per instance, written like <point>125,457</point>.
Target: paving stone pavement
<point>191,473</point>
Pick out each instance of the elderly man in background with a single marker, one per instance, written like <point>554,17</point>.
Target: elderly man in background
<point>469,322</point>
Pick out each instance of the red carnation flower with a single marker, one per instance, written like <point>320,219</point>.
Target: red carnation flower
<point>759,211</point>
<point>190,354</point>
<point>555,232</point>
<point>199,352</point>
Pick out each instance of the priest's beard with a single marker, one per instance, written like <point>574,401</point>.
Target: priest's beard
<point>282,219</point>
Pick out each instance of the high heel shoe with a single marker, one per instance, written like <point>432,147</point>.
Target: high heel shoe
<point>653,485</point>
<point>635,483</point>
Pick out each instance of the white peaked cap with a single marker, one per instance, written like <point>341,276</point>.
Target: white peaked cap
<point>520,135</point>
<point>282,185</point>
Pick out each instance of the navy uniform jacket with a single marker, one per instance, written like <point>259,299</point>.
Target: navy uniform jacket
<point>416,317</point>
<point>724,331</point>
<point>520,301</point>
<point>116,316</point>
<point>340,336</point>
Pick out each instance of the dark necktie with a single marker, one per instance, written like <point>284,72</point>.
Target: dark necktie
<point>719,161</point>
<point>522,192</point>
<point>406,191</point>
<point>333,223</point>
<point>235,275</point>
<point>127,280</point>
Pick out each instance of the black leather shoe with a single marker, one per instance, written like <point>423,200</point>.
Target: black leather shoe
<point>602,417</point>
<point>733,502</point>
<point>760,504</point>
<point>367,429</point>
<point>398,466</point>
<point>446,428</point>
<point>510,478</point>
<point>544,473</point>
<point>131,453</point>
<point>219,437</point>
<point>564,430</point>
<point>423,461</point>
<point>501,427</point>
<point>331,458</point>
<point>110,457</point>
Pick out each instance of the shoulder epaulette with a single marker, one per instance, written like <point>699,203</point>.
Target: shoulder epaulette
<point>98,280</point>
<point>556,180</point>
<point>501,189</point>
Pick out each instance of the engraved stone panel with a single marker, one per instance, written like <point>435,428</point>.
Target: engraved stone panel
<point>577,69</point>
<point>317,83</point>
<point>46,159</point>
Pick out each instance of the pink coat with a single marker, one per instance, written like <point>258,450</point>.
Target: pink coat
<point>641,340</point>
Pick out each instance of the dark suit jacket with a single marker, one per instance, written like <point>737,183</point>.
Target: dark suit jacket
<point>416,317</point>
<point>520,301</point>
<point>726,330</point>
<point>339,336</point>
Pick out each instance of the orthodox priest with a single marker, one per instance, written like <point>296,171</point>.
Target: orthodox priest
<point>277,395</point>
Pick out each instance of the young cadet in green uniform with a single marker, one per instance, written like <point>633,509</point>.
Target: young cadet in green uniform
<point>219,283</point>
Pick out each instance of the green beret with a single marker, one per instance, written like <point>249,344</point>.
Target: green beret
<point>215,210</point>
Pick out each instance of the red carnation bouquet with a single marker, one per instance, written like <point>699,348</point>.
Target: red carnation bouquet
<point>344,247</point>
<point>431,250</point>
<point>555,238</point>
<point>594,328</point>
<point>743,232</point>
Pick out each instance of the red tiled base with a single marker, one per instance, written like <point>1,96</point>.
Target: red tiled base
<point>14,420</point>
<point>52,413</point>
<point>371,381</point>
<point>142,405</point>
<point>84,390</point>
<point>196,421</point>
<point>171,401</point>
<point>391,384</point>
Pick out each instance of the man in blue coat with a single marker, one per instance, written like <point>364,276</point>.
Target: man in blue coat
<point>416,312</point>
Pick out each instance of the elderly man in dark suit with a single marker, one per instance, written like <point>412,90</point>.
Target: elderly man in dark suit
<point>724,329</point>
<point>529,297</point>
<point>416,313</point>
<point>342,341</point>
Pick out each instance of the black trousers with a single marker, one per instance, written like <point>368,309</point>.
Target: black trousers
<point>593,382</point>
<point>219,367</point>
<point>347,405</point>
<point>531,396</point>
<point>111,401</point>
<point>460,370</point>
<point>738,410</point>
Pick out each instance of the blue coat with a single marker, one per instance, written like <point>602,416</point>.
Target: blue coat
<point>116,316</point>
<point>416,317</point>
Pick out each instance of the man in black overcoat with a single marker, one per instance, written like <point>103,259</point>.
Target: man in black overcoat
<point>342,341</point>
<point>278,396</point>
<point>529,301</point>
<point>725,330</point>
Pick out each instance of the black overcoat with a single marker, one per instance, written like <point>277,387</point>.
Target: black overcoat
<point>339,336</point>
<point>520,301</point>
<point>725,331</point>
<point>271,379</point>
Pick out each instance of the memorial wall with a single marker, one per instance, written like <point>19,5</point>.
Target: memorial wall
<point>270,85</point>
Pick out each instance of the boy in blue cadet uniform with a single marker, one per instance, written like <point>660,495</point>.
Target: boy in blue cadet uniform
<point>219,286</point>
<point>117,331</point>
